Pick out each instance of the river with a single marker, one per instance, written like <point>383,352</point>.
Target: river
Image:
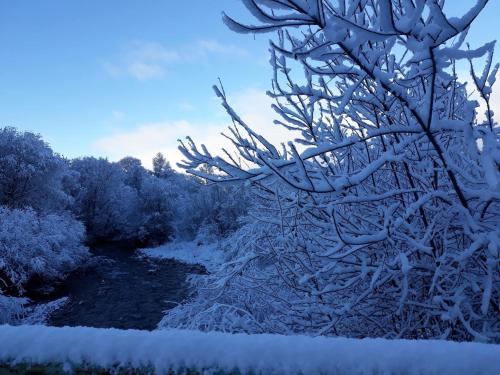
<point>122,290</point>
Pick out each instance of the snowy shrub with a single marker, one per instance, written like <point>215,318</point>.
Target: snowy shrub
<point>31,175</point>
<point>222,300</point>
<point>156,200</point>
<point>123,201</point>
<point>11,308</point>
<point>46,246</point>
<point>39,314</point>
<point>210,212</point>
<point>382,218</point>
<point>103,202</point>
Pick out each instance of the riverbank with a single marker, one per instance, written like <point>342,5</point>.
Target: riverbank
<point>210,255</point>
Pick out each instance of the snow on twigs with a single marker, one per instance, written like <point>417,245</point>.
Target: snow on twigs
<point>381,217</point>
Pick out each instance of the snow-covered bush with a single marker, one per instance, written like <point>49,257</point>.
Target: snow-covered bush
<point>209,212</point>
<point>103,201</point>
<point>31,175</point>
<point>156,202</point>
<point>123,201</point>
<point>45,246</point>
<point>382,218</point>
<point>11,308</point>
<point>221,300</point>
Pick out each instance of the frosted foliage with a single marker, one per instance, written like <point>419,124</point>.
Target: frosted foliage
<point>11,309</point>
<point>156,202</point>
<point>103,201</point>
<point>124,201</point>
<point>161,167</point>
<point>382,218</point>
<point>37,245</point>
<point>30,173</point>
<point>208,212</point>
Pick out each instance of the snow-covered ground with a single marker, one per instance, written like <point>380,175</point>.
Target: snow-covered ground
<point>39,314</point>
<point>209,255</point>
<point>258,354</point>
<point>15,310</point>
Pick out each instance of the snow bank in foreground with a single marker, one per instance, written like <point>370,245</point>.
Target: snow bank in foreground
<point>208,255</point>
<point>270,354</point>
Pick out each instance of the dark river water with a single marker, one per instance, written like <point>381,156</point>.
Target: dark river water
<point>122,291</point>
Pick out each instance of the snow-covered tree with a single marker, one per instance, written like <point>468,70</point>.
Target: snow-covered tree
<point>122,201</point>
<point>103,201</point>
<point>209,212</point>
<point>134,172</point>
<point>34,245</point>
<point>156,207</point>
<point>31,175</point>
<point>161,167</point>
<point>382,218</point>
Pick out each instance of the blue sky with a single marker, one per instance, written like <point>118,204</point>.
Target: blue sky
<point>115,77</point>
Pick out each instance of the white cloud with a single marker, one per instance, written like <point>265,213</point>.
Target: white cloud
<point>136,69</point>
<point>118,115</point>
<point>464,75</point>
<point>254,107</point>
<point>112,69</point>
<point>145,140</point>
<point>495,103</point>
<point>143,71</point>
<point>213,46</point>
<point>142,61</point>
<point>152,51</point>
<point>186,106</point>
<point>150,60</point>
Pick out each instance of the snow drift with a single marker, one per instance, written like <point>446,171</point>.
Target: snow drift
<point>165,350</point>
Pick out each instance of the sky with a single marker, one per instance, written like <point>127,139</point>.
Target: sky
<point>121,77</point>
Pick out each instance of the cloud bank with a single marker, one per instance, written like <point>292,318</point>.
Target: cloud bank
<point>145,140</point>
